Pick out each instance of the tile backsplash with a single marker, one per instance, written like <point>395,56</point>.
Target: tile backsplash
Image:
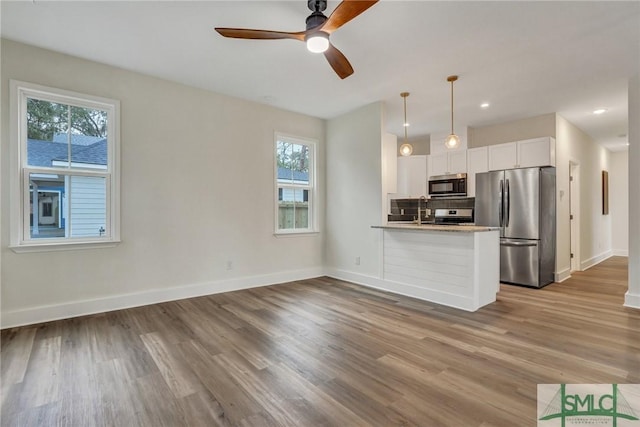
<point>407,209</point>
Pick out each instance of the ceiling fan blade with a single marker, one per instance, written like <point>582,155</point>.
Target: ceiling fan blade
<point>246,33</point>
<point>338,62</point>
<point>345,12</point>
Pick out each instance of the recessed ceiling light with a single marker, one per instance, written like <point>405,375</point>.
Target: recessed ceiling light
<point>484,105</point>
<point>600,111</point>
<point>406,125</point>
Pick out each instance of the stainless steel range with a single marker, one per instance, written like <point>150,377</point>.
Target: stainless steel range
<point>453,216</point>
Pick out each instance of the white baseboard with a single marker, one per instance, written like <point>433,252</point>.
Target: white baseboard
<point>455,301</point>
<point>632,300</point>
<point>620,252</point>
<point>561,276</point>
<point>46,313</point>
<point>584,265</point>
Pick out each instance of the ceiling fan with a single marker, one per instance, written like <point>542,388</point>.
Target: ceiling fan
<point>319,28</point>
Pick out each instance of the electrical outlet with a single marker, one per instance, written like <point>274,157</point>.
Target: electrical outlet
<point>357,260</point>
<point>229,265</point>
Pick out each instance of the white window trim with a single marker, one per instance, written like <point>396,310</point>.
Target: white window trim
<point>19,170</point>
<point>313,187</point>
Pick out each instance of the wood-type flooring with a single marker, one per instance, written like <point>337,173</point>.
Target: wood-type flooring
<point>322,352</point>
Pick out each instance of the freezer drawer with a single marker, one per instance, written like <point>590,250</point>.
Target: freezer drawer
<point>519,262</point>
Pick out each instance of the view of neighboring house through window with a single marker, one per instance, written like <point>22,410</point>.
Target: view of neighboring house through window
<point>294,183</point>
<point>67,164</point>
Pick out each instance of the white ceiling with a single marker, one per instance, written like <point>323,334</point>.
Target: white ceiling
<point>525,58</point>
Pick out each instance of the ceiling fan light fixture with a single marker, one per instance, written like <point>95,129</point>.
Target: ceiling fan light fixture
<point>453,140</point>
<point>318,42</point>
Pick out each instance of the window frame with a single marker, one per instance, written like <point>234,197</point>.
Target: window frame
<point>311,187</point>
<point>20,236</point>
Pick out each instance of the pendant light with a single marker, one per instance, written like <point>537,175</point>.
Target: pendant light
<point>405,149</point>
<point>452,141</point>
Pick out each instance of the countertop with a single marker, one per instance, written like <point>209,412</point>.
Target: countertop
<point>434,227</point>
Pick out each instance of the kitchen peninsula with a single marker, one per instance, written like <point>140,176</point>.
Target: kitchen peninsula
<point>453,265</point>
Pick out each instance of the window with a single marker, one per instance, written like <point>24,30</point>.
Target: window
<point>65,180</point>
<point>295,168</point>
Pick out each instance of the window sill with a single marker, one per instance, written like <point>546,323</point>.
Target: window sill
<point>295,233</point>
<point>63,246</point>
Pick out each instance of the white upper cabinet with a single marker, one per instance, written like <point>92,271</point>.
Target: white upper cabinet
<point>438,164</point>
<point>477,162</point>
<point>503,156</point>
<point>537,152</point>
<point>412,176</point>
<point>458,161</point>
<point>523,154</point>
<point>448,162</point>
<point>389,163</point>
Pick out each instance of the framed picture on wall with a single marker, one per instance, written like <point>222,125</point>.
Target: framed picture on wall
<point>605,193</point>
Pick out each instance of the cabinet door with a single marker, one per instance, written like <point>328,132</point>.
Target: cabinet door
<point>536,152</point>
<point>418,176</point>
<point>477,162</point>
<point>503,156</point>
<point>403,176</point>
<point>412,176</point>
<point>439,164</point>
<point>457,161</point>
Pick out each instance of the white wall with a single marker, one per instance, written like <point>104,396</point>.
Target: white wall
<point>619,202</point>
<point>572,144</point>
<point>436,141</point>
<point>354,200</point>
<point>632,297</point>
<point>197,191</point>
<point>528,128</point>
<point>420,144</point>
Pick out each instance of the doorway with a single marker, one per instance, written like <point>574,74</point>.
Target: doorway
<point>574,215</point>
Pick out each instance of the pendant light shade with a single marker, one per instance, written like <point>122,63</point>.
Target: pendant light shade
<point>452,141</point>
<point>405,149</point>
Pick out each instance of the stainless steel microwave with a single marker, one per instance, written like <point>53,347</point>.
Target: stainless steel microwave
<point>448,185</point>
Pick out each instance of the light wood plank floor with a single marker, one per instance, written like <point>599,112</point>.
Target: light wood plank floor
<point>322,352</point>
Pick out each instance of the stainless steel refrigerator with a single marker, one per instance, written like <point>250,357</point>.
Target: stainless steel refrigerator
<point>522,202</point>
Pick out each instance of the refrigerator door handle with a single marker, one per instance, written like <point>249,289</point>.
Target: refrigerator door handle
<point>518,244</point>
<point>500,203</point>
<point>507,198</point>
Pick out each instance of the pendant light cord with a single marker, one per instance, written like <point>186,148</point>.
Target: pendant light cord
<point>452,79</point>
<point>405,124</point>
<point>452,106</point>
